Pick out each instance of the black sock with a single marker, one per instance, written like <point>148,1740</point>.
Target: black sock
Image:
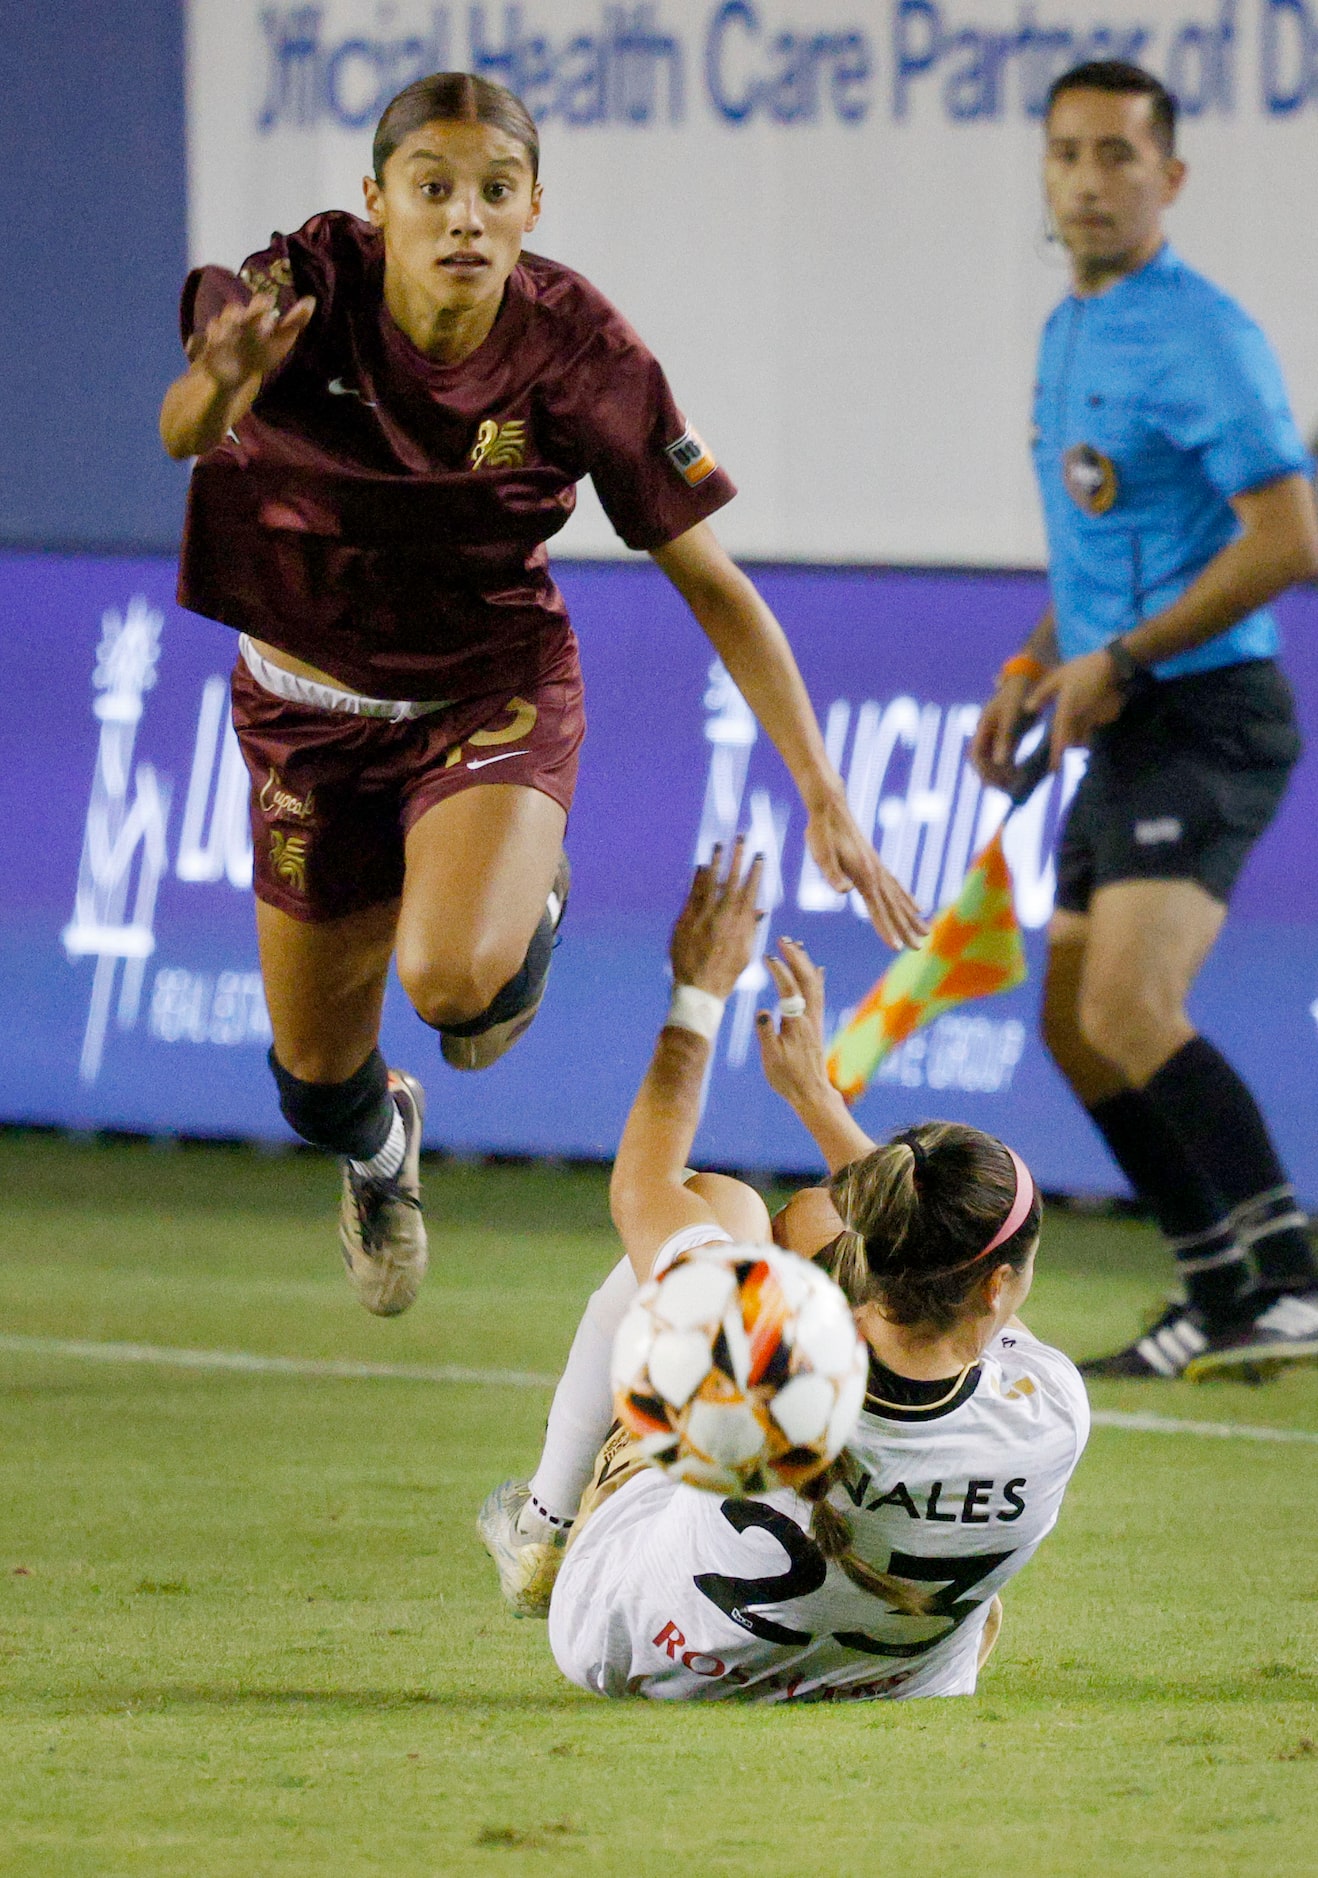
<point>1193,1214</point>
<point>351,1118</point>
<point>521,988</point>
<point>1206,1103</point>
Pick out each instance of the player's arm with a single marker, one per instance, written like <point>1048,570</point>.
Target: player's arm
<point>1277,545</point>
<point>753,646</point>
<point>793,1058</point>
<point>711,947</point>
<point>227,365</point>
<point>1003,719</point>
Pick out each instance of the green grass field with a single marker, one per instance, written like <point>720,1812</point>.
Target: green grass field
<point>246,1626</point>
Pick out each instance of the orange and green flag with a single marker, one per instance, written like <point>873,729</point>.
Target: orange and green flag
<point>973,949</point>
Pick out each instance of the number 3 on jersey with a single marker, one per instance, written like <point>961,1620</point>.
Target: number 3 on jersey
<point>807,1570</point>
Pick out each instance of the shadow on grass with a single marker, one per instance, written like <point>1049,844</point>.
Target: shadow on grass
<point>1073,1685</point>
<point>160,1697</point>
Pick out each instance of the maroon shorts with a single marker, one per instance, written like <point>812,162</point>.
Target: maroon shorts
<point>334,795</point>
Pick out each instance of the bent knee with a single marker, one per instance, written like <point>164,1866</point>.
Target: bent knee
<point>738,1209</point>
<point>449,989</point>
<point>807,1223</point>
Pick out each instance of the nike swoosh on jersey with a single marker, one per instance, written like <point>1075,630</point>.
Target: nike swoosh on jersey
<point>479,762</point>
<point>337,389</point>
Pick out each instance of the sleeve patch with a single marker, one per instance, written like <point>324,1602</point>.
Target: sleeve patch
<point>691,458</point>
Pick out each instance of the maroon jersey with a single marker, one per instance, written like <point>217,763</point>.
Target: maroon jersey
<point>384,517</point>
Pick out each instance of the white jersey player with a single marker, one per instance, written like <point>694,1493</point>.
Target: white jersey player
<point>884,1581</point>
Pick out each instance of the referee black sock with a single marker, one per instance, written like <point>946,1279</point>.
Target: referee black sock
<point>1188,1207</point>
<point>351,1118</point>
<point>1204,1101</point>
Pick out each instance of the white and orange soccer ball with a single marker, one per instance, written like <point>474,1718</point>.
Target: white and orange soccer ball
<point>739,1369</point>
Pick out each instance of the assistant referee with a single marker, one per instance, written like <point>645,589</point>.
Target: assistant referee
<point>1177,504</point>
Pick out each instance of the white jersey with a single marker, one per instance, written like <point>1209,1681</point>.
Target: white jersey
<point>672,1592</point>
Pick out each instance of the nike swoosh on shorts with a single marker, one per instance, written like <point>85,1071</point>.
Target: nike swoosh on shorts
<point>479,762</point>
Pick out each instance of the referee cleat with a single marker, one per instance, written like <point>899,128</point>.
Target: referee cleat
<point>381,1230</point>
<point>483,1041</point>
<point>1285,1332</point>
<point>527,1567</point>
<point>1164,1351</point>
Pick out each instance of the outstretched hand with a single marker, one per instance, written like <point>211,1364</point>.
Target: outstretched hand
<point>714,938</point>
<point>846,859</point>
<point>793,1052</point>
<point>795,1065</point>
<point>249,342</point>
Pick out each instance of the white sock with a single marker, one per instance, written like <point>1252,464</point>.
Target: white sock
<point>386,1161</point>
<point>581,1412</point>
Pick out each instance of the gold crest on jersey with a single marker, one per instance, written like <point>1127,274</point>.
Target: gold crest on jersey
<point>500,446</point>
<point>268,280</point>
<point>1090,478</point>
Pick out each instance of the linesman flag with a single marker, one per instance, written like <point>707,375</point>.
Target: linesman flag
<point>973,949</point>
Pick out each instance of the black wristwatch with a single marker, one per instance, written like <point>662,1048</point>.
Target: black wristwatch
<point>1132,677</point>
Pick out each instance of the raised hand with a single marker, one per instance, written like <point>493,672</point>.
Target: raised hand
<point>793,1056</point>
<point>714,938</point>
<point>793,1052</point>
<point>226,365</point>
<point>246,342</point>
<point>846,859</point>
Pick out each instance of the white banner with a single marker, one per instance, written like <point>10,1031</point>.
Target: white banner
<point>823,215</point>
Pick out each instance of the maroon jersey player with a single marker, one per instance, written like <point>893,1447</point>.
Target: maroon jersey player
<point>390,418</point>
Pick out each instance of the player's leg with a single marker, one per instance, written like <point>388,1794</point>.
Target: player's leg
<point>324,986</point>
<point>808,1223</point>
<point>1125,954</point>
<point>1185,1203</point>
<point>484,892</point>
<point>524,1526</point>
<point>1147,941</point>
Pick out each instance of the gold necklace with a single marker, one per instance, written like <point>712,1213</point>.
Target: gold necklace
<point>923,1407</point>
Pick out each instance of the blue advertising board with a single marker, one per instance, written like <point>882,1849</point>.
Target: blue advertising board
<point>129,991</point>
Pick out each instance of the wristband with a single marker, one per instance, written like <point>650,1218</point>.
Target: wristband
<point>1023,665</point>
<point>694,1009</point>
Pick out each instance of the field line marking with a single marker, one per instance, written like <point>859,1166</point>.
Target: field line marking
<point>250,1363</point>
<point>1144,1422</point>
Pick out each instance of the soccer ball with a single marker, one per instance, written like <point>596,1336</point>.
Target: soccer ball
<point>739,1369</point>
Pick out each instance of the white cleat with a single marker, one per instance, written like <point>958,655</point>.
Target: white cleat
<point>381,1231</point>
<point>527,1567</point>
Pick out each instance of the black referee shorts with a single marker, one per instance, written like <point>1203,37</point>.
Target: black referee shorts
<point>1182,785</point>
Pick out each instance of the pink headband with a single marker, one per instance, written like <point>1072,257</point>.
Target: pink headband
<point>1020,1206</point>
<point>1016,1217</point>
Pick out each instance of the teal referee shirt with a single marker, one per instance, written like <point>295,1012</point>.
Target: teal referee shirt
<point>1156,402</point>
